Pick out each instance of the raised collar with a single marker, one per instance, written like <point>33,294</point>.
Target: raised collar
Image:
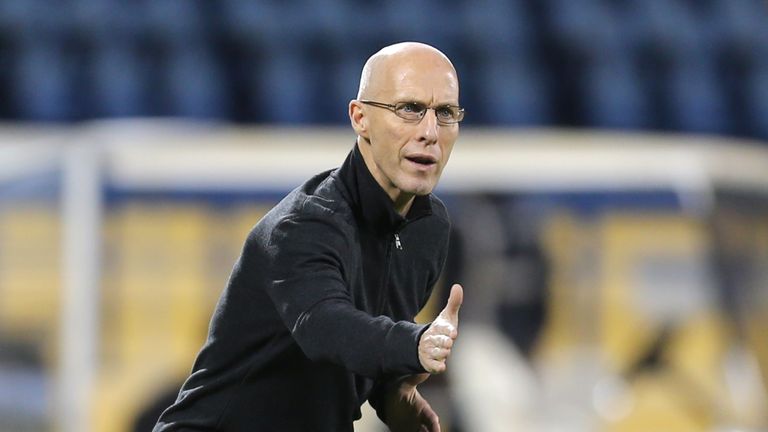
<point>371,204</point>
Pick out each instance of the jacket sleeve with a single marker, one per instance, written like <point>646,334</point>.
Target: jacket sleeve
<point>309,291</point>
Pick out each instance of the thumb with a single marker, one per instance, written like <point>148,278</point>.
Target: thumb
<point>451,310</point>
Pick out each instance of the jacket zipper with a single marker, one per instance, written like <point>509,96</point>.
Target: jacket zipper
<point>385,279</point>
<point>388,262</point>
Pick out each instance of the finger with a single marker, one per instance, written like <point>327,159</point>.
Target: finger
<point>451,311</point>
<point>434,366</point>
<point>438,368</point>
<point>428,362</point>
<point>433,423</point>
<point>434,353</point>
<point>441,327</point>
<point>428,354</point>
<point>440,341</point>
<point>431,420</point>
<point>443,341</point>
<point>440,354</point>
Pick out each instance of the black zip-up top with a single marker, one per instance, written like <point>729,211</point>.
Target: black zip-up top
<point>317,315</point>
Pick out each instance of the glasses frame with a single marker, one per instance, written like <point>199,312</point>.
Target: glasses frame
<point>393,108</point>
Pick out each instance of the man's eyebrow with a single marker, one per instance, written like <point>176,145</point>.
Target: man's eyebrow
<point>410,100</point>
<point>416,101</point>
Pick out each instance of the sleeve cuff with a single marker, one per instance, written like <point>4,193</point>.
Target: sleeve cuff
<point>403,348</point>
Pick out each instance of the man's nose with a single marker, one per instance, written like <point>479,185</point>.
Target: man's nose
<point>428,126</point>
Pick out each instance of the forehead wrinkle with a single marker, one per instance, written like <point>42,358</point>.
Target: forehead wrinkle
<point>432,94</point>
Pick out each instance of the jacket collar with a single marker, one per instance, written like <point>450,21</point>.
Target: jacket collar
<point>371,204</point>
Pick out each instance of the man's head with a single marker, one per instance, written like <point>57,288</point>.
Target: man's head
<point>406,157</point>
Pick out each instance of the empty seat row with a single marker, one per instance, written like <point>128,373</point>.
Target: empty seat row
<point>664,64</point>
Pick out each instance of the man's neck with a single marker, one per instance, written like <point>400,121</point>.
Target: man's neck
<point>403,203</point>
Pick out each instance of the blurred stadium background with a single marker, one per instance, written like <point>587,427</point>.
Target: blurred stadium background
<point>609,195</point>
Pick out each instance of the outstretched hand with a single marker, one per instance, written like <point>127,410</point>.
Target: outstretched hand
<point>436,342</point>
<point>408,411</point>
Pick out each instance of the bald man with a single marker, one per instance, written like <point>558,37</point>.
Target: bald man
<point>318,314</point>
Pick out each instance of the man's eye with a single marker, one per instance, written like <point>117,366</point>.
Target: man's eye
<point>445,112</point>
<point>412,108</point>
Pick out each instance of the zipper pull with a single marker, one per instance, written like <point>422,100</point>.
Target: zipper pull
<point>397,242</point>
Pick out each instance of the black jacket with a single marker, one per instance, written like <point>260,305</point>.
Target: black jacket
<point>317,315</point>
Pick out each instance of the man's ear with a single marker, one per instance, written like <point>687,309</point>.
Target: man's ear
<point>358,118</point>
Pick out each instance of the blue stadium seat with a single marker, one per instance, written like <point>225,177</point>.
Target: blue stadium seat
<point>679,55</point>
<point>663,29</point>
<point>26,21</point>
<point>430,21</point>
<point>9,21</point>
<point>194,84</point>
<point>189,80</point>
<point>104,22</point>
<point>613,95</point>
<point>512,92</point>
<point>493,28</point>
<point>268,25</point>
<point>113,80</point>
<point>277,40</point>
<point>119,83</point>
<point>363,37</point>
<point>329,21</point>
<point>694,97</point>
<point>501,82</point>
<point>741,28</point>
<point>41,83</point>
<point>6,106</point>
<point>757,99</point>
<point>176,23</point>
<point>688,61</point>
<point>35,85</point>
<point>284,88</point>
<point>343,78</point>
<point>584,28</point>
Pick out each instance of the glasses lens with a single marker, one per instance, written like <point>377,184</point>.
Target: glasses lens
<point>458,114</point>
<point>447,114</point>
<point>410,110</point>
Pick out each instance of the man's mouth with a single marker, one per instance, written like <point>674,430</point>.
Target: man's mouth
<point>424,160</point>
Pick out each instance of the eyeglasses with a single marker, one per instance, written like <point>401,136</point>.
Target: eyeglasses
<point>414,111</point>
